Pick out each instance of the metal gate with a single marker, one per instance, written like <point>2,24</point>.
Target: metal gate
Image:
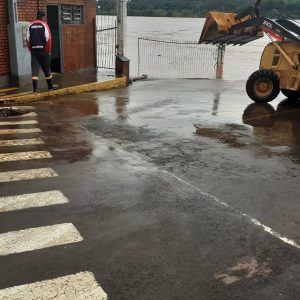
<point>106,37</point>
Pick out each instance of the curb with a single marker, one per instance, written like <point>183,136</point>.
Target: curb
<point>94,86</point>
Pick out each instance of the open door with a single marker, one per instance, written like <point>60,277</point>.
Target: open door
<point>53,20</point>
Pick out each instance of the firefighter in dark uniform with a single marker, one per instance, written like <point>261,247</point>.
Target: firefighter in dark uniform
<point>39,43</point>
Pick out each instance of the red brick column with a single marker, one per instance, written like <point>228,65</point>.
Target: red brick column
<point>4,47</point>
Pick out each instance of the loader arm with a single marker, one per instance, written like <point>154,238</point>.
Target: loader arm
<point>246,26</point>
<point>279,29</point>
<point>252,11</point>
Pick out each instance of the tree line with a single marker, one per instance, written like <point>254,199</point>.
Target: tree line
<point>199,8</point>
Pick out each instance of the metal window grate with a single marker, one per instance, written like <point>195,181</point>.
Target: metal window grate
<point>72,14</point>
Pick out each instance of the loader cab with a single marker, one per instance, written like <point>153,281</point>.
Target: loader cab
<point>272,59</point>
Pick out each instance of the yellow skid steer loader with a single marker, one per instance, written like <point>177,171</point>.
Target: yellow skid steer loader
<point>280,61</point>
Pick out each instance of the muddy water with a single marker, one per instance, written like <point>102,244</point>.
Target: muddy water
<point>240,62</point>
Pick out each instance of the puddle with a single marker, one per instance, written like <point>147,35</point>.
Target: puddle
<point>220,135</point>
<point>9,113</point>
<point>15,111</point>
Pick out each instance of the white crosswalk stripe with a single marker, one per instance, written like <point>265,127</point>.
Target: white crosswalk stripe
<point>4,157</point>
<point>38,238</point>
<point>25,201</point>
<point>15,156</point>
<point>21,142</point>
<point>20,131</point>
<point>27,175</point>
<point>80,286</point>
<point>24,122</point>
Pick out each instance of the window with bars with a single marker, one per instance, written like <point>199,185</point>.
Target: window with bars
<point>72,14</point>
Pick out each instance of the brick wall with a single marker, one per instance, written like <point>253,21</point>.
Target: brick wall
<point>4,50</point>
<point>27,9</point>
<point>79,40</point>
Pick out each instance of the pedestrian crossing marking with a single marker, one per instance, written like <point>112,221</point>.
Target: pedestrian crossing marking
<point>21,142</point>
<point>30,174</point>
<point>20,131</point>
<point>80,286</point>
<point>38,238</point>
<point>33,200</point>
<point>25,122</point>
<point>5,157</point>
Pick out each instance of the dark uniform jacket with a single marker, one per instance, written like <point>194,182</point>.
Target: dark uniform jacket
<point>39,36</point>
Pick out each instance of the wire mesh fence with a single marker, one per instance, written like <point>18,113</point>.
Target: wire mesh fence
<point>158,58</point>
<point>176,59</point>
<point>106,37</point>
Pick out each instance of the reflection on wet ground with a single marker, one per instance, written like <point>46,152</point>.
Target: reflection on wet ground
<point>223,136</point>
<point>274,131</point>
<point>121,107</point>
<point>277,129</point>
<point>61,131</point>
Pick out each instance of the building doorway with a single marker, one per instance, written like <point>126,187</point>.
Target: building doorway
<point>53,20</point>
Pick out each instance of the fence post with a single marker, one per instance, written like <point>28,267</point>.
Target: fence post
<point>139,57</point>
<point>95,43</point>
<point>121,26</point>
<point>220,61</point>
<point>122,62</point>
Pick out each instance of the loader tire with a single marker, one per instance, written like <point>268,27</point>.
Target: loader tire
<point>263,86</point>
<point>291,94</point>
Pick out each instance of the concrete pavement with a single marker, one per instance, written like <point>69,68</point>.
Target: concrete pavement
<point>134,200</point>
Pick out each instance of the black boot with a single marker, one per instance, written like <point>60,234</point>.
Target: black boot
<point>51,86</point>
<point>35,85</point>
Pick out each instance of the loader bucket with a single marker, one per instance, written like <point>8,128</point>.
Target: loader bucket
<point>218,30</point>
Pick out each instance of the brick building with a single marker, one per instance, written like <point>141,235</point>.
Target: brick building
<point>72,26</point>
<point>4,49</point>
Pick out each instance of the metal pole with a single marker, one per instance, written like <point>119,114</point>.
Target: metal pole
<point>220,61</point>
<point>121,26</point>
<point>139,57</point>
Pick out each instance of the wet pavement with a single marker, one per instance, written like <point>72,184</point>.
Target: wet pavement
<point>60,80</point>
<point>180,189</point>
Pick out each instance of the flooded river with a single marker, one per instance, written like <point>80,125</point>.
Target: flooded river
<point>240,62</point>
